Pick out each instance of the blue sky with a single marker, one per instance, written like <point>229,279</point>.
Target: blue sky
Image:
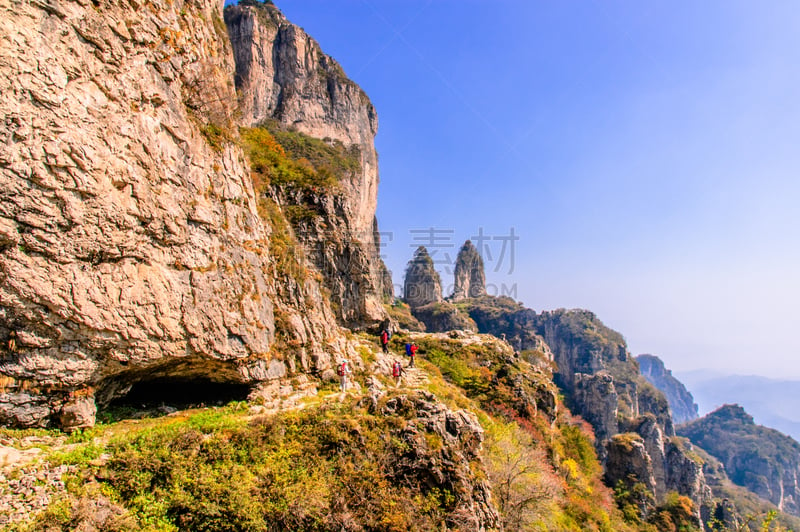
<point>646,154</point>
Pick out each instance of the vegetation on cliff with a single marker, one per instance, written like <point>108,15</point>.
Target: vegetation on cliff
<point>327,467</point>
<point>542,462</point>
<point>272,165</point>
<point>761,459</point>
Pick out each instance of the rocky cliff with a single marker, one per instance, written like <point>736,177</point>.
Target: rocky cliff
<point>602,381</point>
<point>681,402</point>
<point>133,244</point>
<point>442,317</point>
<point>759,458</point>
<point>113,257</point>
<point>602,384</point>
<point>284,80</point>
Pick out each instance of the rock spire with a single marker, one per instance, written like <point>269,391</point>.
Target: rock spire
<point>470,278</point>
<point>422,284</point>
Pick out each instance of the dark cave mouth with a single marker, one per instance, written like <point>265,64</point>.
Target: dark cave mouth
<point>179,394</point>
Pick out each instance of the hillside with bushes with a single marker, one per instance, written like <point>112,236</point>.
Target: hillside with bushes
<point>759,458</point>
<point>189,255</point>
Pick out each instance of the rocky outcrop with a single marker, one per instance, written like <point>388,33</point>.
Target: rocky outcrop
<point>595,398</point>
<point>653,437</point>
<point>681,402</point>
<point>422,284</point>
<point>649,471</point>
<point>601,383</point>
<point>284,78</point>
<point>684,472</point>
<point>509,320</point>
<point>448,467</point>
<point>629,463</point>
<point>470,278</point>
<point>131,245</point>
<point>581,344</point>
<point>443,317</point>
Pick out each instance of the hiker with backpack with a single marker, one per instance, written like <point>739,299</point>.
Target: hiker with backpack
<point>344,371</point>
<point>385,340</point>
<point>411,351</point>
<point>397,372</point>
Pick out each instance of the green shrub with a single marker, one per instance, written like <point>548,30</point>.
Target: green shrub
<point>288,158</point>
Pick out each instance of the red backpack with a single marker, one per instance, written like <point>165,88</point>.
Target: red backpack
<point>341,369</point>
<point>396,369</point>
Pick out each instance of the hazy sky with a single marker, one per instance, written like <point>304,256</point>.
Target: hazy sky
<point>645,154</point>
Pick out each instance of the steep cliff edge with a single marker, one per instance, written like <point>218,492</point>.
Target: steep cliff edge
<point>681,402</point>
<point>285,82</point>
<point>134,245</point>
<point>113,255</point>
<point>601,384</point>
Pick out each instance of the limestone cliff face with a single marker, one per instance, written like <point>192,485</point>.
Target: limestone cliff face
<point>283,76</point>
<point>603,385</point>
<point>684,472</point>
<point>595,398</point>
<point>628,459</point>
<point>681,402</point>
<point>131,246</point>
<point>422,284</point>
<point>470,278</point>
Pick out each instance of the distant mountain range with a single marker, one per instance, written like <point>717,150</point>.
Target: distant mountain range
<point>772,402</point>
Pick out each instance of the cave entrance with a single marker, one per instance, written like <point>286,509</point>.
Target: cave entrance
<point>174,384</point>
<point>176,393</point>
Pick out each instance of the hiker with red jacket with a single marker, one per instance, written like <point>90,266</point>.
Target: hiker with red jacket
<point>343,371</point>
<point>397,372</point>
<point>385,340</point>
<point>411,351</point>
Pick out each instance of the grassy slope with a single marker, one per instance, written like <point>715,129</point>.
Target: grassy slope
<point>325,466</point>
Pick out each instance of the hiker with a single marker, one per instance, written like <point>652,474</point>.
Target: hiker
<point>411,351</point>
<point>344,371</point>
<point>385,340</point>
<point>397,372</point>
